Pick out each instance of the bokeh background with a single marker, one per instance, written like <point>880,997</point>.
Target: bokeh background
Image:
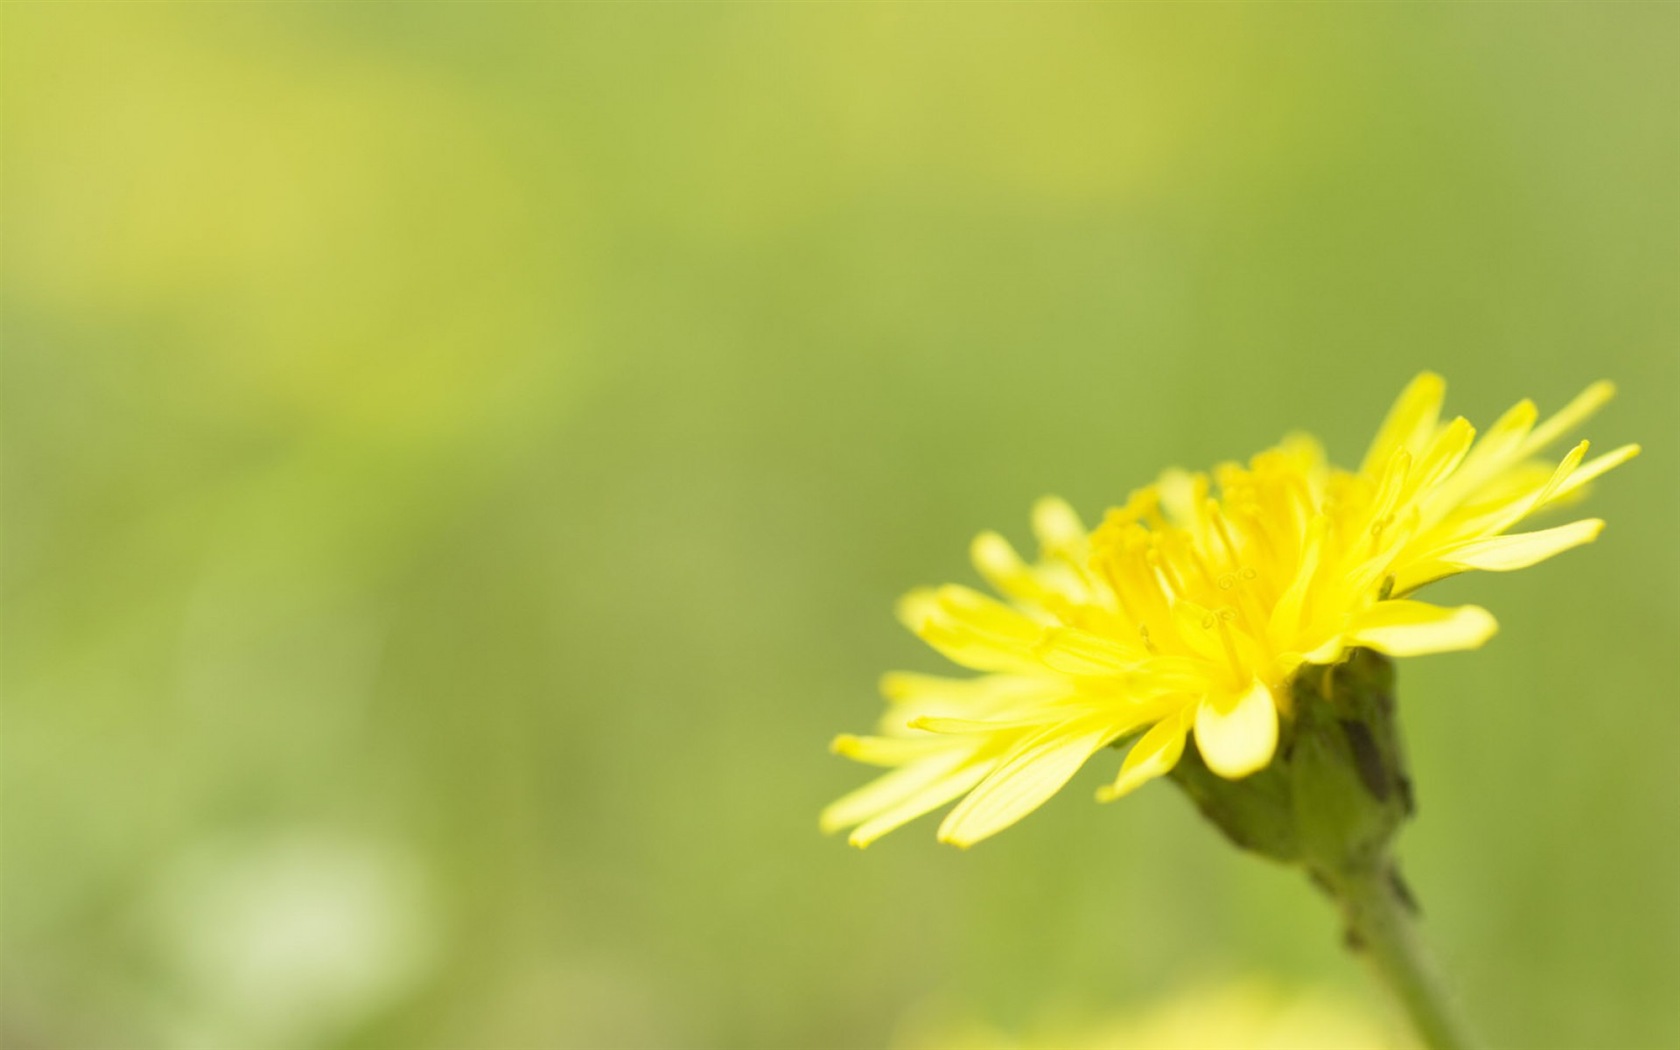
<point>459,462</point>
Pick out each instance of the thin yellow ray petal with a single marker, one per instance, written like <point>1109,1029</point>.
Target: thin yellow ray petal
<point>1395,474</point>
<point>1198,629</point>
<point>1499,450</point>
<point>1419,574</point>
<point>1072,651</point>
<point>1154,755</point>
<point>1592,469</point>
<point>923,801</point>
<point>1566,468</point>
<point>1499,516</point>
<point>913,696</point>
<point>1507,433</point>
<point>903,686</point>
<point>1291,608</point>
<point>1326,652</point>
<point>1570,416</point>
<point>886,750</point>
<point>1182,495</point>
<point>1237,732</point>
<point>979,652</point>
<point>996,560</point>
<point>1403,627</point>
<point>971,629</point>
<point>915,609</point>
<point>1444,455</point>
<point>1023,781</point>
<point>1408,423</point>
<point>1505,553</point>
<point>885,792</point>
<point>982,613</point>
<point>947,726</point>
<point>1172,674</point>
<point>1056,525</point>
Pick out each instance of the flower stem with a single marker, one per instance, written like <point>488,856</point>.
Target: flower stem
<point>1331,803</point>
<point>1381,923</point>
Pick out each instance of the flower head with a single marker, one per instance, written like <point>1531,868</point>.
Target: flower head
<point>1188,612</point>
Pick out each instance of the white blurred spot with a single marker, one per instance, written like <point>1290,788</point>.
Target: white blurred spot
<point>288,941</point>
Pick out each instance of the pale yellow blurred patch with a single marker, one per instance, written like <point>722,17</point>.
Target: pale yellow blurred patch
<point>1247,1014</point>
<point>338,236</point>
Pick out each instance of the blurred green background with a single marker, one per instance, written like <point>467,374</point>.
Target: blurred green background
<point>460,460</point>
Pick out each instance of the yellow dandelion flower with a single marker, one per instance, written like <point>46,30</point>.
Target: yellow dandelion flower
<point>1187,612</point>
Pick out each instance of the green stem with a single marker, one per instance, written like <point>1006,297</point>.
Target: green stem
<point>1380,919</point>
<point>1331,803</point>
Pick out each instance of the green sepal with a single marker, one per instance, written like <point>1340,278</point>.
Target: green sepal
<point>1337,790</point>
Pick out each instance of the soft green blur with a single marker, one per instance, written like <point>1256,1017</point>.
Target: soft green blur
<point>460,460</point>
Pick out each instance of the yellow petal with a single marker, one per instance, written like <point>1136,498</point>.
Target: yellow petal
<point>1444,455</point>
<point>1022,782</point>
<point>1570,416</point>
<point>1504,553</point>
<point>1408,628</point>
<point>1566,469</point>
<point>917,608</point>
<point>1182,495</point>
<point>1198,628</point>
<point>1592,468</point>
<point>971,629</point>
<point>890,790</point>
<point>1498,450</point>
<point>983,692</point>
<point>1326,652</point>
<point>983,614</point>
<point>1072,651</point>
<point>1154,755</point>
<point>1056,525</point>
<point>923,801</point>
<point>1292,608</point>
<point>1506,435</point>
<point>1037,715</point>
<point>1514,504</point>
<point>885,750</point>
<point>997,561</point>
<point>1237,732</point>
<point>1408,424</point>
